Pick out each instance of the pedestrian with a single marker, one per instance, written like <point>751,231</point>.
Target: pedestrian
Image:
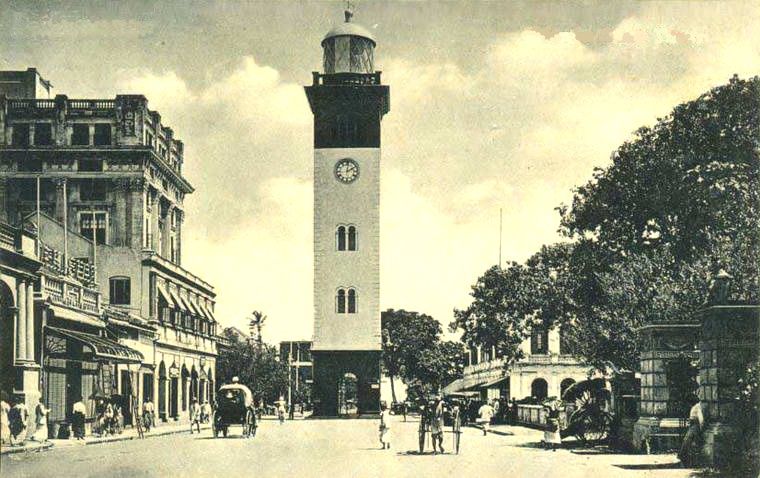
<point>195,415</point>
<point>456,425</point>
<point>5,430</point>
<point>552,437</point>
<point>404,408</point>
<point>206,412</point>
<point>148,414</point>
<point>118,419</point>
<point>486,413</point>
<point>436,425</point>
<point>513,411</point>
<point>690,450</point>
<point>281,410</point>
<point>496,410</point>
<point>78,416</point>
<point>17,417</point>
<point>385,426</point>
<point>108,428</point>
<point>291,411</point>
<point>40,422</point>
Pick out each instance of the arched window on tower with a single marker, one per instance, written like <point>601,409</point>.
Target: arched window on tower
<point>351,238</point>
<point>351,301</point>
<point>340,235</point>
<point>341,301</point>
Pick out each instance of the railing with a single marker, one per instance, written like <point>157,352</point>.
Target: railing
<point>53,288</point>
<point>346,78</point>
<point>25,104</point>
<point>90,300</point>
<point>68,292</point>
<point>92,104</point>
<point>7,236</point>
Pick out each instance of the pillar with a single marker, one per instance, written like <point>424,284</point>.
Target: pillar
<point>120,197</point>
<point>135,213</point>
<point>3,200</point>
<point>60,201</point>
<point>21,316</point>
<point>30,321</point>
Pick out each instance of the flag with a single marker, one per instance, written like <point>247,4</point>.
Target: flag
<point>45,84</point>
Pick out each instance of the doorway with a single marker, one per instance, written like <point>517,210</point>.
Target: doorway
<point>348,395</point>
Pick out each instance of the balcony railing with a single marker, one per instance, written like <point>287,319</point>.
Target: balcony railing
<point>66,291</point>
<point>346,78</point>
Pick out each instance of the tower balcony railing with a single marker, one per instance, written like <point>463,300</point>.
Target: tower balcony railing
<point>346,78</point>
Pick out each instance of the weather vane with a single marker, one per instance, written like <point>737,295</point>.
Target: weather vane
<point>349,12</point>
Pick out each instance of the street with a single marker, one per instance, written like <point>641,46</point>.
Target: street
<point>335,448</point>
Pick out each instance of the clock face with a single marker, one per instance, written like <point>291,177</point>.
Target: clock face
<point>346,170</point>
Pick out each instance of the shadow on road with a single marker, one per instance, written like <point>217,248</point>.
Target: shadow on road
<point>652,466</point>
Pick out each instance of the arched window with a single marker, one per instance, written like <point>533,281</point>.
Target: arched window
<point>539,388</point>
<point>351,301</point>
<point>341,238</point>
<point>351,238</point>
<point>341,301</point>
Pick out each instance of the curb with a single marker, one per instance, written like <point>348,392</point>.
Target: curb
<point>26,449</point>
<point>100,441</point>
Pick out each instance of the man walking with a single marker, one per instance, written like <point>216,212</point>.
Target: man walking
<point>148,416</point>
<point>436,425</point>
<point>486,413</point>
<point>195,415</point>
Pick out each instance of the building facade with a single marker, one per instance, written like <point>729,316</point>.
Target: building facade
<point>348,102</point>
<point>108,172</point>
<point>546,370</point>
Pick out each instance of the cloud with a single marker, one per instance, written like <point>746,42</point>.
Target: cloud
<point>516,127</point>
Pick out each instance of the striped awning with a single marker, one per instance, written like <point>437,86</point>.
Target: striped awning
<point>165,295</point>
<point>179,304</point>
<point>100,347</point>
<point>65,313</point>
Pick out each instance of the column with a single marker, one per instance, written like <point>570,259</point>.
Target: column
<point>30,321</point>
<point>120,196</point>
<point>60,200</point>
<point>155,214</point>
<point>167,233</point>
<point>3,196</point>
<point>136,208</point>
<point>21,316</point>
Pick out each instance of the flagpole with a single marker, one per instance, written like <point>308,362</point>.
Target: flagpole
<point>94,248</point>
<point>500,229</point>
<point>39,226</point>
<point>65,228</point>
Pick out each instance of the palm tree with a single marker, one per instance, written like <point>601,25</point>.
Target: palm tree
<point>257,322</point>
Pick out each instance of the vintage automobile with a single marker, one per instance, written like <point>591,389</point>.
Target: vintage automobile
<point>234,406</point>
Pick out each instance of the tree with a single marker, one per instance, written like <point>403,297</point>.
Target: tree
<point>677,203</point>
<point>256,366</point>
<point>435,367</point>
<point>405,335</point>
<point>510,302</point>
<point>257,323</point>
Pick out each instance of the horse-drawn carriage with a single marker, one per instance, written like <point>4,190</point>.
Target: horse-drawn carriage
<point>234,406</point>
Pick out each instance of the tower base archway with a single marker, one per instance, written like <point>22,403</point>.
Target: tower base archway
<point>331,368</point>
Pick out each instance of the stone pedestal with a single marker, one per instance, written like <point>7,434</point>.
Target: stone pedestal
<point>661,421</point>
<point>728,345</point>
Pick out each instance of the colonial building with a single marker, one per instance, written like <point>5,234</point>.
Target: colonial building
<point>110,172</point>
<point>348,102</point>
<point>546,370</point>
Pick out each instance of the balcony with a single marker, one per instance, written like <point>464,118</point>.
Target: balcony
<point>330,79</point>
<point>66,291</point>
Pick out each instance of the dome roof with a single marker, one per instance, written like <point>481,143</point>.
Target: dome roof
<point>349,29</point>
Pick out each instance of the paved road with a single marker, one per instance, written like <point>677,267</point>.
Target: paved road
<point>333,448</point>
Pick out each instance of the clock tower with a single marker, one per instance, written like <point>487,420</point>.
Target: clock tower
<point>348,102</point>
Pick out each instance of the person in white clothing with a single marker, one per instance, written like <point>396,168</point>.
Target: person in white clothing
<point>385,426</point>
<point>486,413</point>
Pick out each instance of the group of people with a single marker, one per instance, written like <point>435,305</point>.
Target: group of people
<point>199,413</point>
<point>15,428</point>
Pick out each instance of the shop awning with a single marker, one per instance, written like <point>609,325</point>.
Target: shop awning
<point>188,307</point>
<point>178,302</point>
<point>493,383</point>
<point>165,295</point>
<point>76,316</point>
<point>195,308</point>
<point>206,312</point>
<point>101,347</point>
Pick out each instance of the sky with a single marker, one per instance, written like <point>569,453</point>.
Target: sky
<point>494,105</point>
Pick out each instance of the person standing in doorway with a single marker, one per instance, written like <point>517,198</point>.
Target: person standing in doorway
<point>78,414</point>
<point>486,414</point>
<point>195,416</point>
<point>148,414</point>
<point>385,426</point>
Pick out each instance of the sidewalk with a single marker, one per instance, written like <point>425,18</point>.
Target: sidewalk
<point>128,434</point>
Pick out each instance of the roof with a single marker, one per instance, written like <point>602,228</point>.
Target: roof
<point>349,29</point>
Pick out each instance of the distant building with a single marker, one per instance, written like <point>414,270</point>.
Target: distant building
<point>110,172</point>
<point>546,370</point>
